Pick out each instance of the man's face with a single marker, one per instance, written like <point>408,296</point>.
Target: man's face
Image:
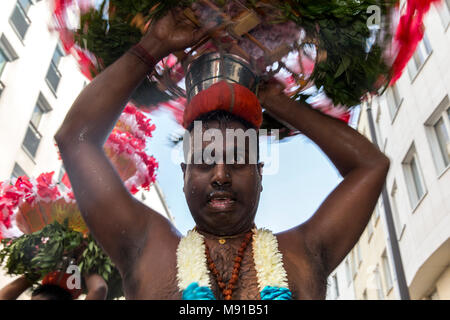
<point>223,198</point>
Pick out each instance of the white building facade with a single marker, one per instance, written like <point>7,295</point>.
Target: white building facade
<point>412,124</point>
<point>340,283</point>
<point>38,85</point>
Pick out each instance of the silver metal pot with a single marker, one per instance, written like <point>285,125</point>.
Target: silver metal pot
<point>211,68</point>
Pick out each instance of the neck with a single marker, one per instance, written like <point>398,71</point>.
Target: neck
<point>235,235</point>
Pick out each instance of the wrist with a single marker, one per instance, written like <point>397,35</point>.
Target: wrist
<point>154,47</point>
<point>144,56</point>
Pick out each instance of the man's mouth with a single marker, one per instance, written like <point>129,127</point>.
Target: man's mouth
<point>221,200</point>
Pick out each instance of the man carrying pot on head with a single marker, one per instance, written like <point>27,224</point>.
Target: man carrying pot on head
<point>225,256</point>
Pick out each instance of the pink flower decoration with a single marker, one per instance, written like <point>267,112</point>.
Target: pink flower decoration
<point>139,172</point>
<point>409,33</point>
<point>45,188</point>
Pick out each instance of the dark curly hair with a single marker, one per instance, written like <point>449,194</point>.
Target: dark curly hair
<point>224,117</point>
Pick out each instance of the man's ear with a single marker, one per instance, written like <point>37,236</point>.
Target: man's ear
<point>260,168</point>
<point>183,168</point>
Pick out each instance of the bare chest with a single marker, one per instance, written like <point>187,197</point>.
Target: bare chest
<point>305,277</point>
<point>159,281</point>
<point>246,287</point>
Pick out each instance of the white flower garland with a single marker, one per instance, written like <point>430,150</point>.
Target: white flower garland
<point>191,261</point>
<point>268,260</point>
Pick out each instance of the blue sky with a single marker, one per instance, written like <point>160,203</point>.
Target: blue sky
<point>305,177</point>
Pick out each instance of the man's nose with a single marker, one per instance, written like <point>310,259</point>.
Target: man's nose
<point>221,175</point>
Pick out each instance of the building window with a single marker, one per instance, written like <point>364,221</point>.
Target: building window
<point>335,286</point>
<point>378,129</point>
<point>354,266</point>
<point>418,185</point>
<point>395,212</point>
<point>378,209</point>
<point>386,271</point>
<point>53,75</point>
<point>19,19</point>
<point>7,53</point>
<point>418,59</point>
<point>442,138</point>
<point>348,272</point>
<point>444,12</point>
<point>33,136</point>
<point>369,229</point>
<point>364,295</point>
<point>62,172</point>
<point>358,253</point>
<point>437,128</point>
<point>2,87</point>
<point>379,284</point>
<point>413,175</point>
<point>17,172</point>
<point>2,61</point>
<point>26,4</point>
<point>393,100</point>
<point>37,116</point>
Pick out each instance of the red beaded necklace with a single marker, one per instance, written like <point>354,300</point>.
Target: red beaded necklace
<point>227,289</point>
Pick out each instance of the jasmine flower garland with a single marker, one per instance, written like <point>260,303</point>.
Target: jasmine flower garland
<point>193,274</point>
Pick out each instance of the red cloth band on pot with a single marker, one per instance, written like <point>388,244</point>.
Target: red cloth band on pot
<point>231,97</point>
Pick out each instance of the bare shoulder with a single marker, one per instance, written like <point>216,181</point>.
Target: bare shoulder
<point>303,264</point>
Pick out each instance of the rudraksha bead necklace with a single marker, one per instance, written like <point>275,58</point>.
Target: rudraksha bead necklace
<point>227,289</point>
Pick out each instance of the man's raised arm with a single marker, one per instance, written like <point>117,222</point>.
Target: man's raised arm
<point>117,221</point>
<point>340,220</point>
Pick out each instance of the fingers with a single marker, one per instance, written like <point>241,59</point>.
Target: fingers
<point>271,85</point>
<point>181,17</point>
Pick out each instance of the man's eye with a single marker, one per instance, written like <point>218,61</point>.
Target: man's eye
<point>240,159</point>
<point>206,162</point>
<point>204,166</point>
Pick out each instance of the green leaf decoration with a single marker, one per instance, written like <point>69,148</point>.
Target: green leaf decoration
<point>339,26</point>
<point>344,65</point>
<point>54,248</point>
